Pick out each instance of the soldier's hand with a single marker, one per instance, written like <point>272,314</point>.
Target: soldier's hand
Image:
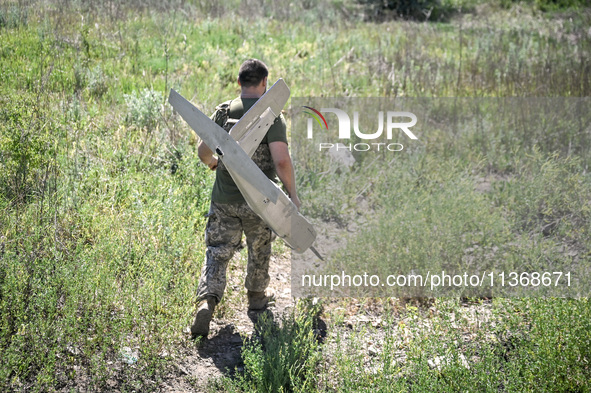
<point>296,201</point>
<point>213,164</point>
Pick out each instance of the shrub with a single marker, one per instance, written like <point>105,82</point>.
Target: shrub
<point>26,148</point>
<point>144,108</point>
<point>405,9</point>
<point>97,81</point>
<point>285,357</point>
<point>13,17</point>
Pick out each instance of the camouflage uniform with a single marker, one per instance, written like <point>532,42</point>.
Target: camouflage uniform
<point>227,221</point>
<point>223,235</point>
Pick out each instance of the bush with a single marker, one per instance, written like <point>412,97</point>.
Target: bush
<point>405,9</point>
<point>26,148</point>
<point>552,5</point>
<point>97,82</point>
<point>13,17</point>
<point>144,109</point>
<point>285,358</point>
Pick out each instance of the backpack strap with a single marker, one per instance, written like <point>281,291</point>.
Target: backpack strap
<point>225,106</point>
<point>231,120</point>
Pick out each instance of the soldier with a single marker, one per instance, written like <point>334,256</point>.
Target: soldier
<point>229,215</point>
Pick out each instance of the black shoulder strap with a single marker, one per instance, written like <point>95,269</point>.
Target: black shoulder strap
<point>233,116</point>
<point>224,106</point>
<point>223,113</point>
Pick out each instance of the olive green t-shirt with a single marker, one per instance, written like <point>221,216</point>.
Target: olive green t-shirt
<point>224,188</point>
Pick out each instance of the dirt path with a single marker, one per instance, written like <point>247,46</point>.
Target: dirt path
<point>199,364</point>
<point>219,354</point>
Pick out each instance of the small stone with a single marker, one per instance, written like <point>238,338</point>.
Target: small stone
<point>128,355</point>
<point>377,323</point>
<point>439,362</point>
<point>73,350</point>
<point>435,362</point>
<point>182,370</point>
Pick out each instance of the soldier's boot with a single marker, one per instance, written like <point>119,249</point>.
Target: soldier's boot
<point>258,300</point>
<point>204,315</point>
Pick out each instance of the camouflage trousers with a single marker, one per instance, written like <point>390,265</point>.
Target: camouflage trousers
<point>223,236</point>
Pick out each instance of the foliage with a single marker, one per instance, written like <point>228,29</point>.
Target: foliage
<point>13,16</point>
<point>509,345</point>
<point>284,356</point>
<point>553,5</point>
<point>102,198</point>
<point>406,9</point>
<point>27,148</point>
<point>144,108</point>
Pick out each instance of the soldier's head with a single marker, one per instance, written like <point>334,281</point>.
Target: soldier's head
<point>252,73</point>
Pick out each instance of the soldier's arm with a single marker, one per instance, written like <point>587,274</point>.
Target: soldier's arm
<point>206,156</point>
<point>284,168</point>
<point>203,151</point>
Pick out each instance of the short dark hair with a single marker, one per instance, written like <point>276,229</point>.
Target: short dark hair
<point>252,72</point>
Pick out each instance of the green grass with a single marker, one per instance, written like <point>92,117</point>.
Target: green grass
<point>103,196</point>
<point>520,346</point>
<point>482,197</point>
<point>283,356</point>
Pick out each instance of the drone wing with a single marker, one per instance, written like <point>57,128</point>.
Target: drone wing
<point>263,196</point>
